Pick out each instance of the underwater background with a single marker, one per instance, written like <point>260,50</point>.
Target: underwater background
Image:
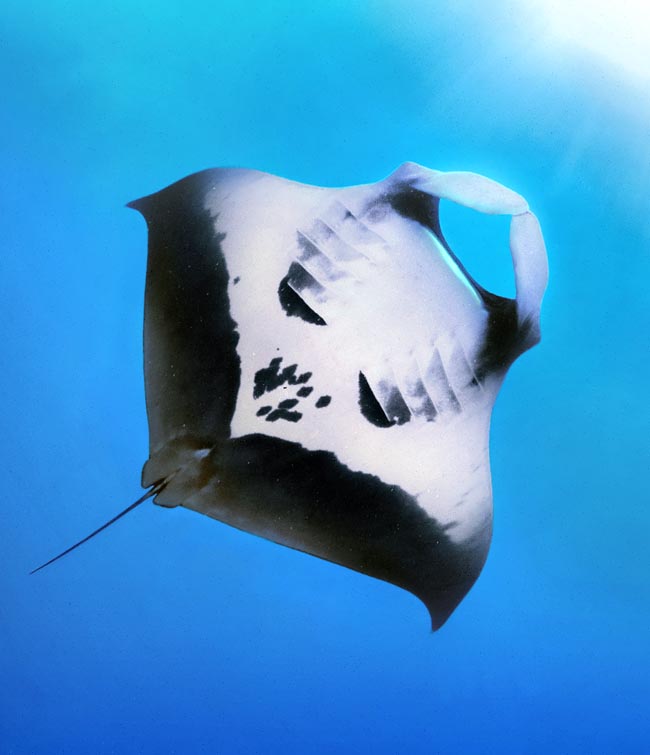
<point>172,633</point>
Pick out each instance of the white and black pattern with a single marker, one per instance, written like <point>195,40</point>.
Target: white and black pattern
<point>320,368</point>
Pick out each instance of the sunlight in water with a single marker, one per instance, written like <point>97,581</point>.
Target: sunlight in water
<point>618,31</point>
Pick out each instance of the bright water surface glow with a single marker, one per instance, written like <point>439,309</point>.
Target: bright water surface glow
<point>618,31</point>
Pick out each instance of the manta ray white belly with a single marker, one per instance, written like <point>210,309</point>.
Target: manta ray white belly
<point>321,370</point>
<point>389,324</point>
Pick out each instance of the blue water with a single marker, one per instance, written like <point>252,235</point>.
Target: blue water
<point>171,633</point>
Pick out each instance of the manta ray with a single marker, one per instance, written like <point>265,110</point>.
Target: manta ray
<point>320,368</point>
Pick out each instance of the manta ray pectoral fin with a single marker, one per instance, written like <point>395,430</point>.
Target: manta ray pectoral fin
<point>527,246</point>
<point>192,368</point>
<point>154,490</point>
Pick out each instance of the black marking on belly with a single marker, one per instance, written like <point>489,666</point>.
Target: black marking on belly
<point>272,377</point>
<point>396,407</point>
<point>315,503</point>
<point>291,302</point>
<point>416,205</point>
<point>504,338</point>
<point>323,401</point>
<point>269,378</point>
<point>370,407</point>
<point>192,367</point>
<point>236,280</point>
<point>277,414</point>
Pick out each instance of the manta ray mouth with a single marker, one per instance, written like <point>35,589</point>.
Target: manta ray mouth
<point>424,209</point>
<point>512,323</point>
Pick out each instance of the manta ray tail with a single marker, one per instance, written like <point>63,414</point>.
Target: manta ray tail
<point>154,490</point>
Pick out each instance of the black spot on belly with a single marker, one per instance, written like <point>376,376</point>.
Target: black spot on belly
<point>304,392</point>
<point>370,407</point>
<point>269,378</point>
<point>236,280</point>
<point>323,401</point>
<point>288,403</point>
<point>277,414</point>
<point>263,410</point>
<point>292,303</point>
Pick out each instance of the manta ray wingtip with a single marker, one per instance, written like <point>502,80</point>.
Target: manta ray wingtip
<point>438,618</point>
<point>144,205</point>
<point>444,602</point>
<point>136,204</point>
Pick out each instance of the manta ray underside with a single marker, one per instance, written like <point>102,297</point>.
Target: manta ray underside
<point>320,369</point>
